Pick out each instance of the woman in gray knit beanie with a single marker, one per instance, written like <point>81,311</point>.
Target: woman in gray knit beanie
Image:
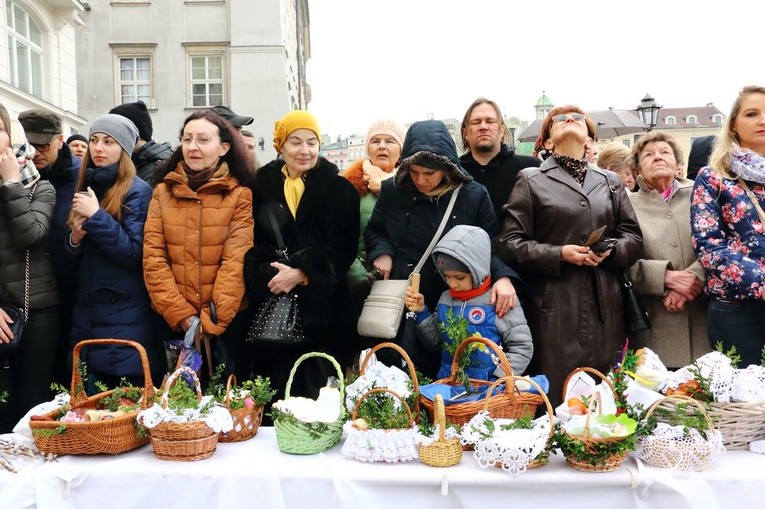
<point>107,220</point>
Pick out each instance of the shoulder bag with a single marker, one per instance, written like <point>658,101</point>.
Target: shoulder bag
<point>17,314</point>
<point>384,307</point>
<point>278,319</point>
<point>635,316</point>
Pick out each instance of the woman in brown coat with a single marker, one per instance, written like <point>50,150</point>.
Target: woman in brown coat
<point>668,277</point>
<point>574,307</point>
<point>198,229</point>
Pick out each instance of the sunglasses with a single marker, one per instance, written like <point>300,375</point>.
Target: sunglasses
<point>577,117</point>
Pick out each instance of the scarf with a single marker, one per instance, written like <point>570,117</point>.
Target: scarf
<point>748,165</point>
<point>669,192</point>
<point>466,295</point>
<point>577,168</point>
<point>198,178</point>
<point>294,187</point>
<point>28,174</point>
<point>101,179</point>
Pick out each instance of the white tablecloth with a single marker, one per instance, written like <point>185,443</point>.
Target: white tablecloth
<point>255,474</point>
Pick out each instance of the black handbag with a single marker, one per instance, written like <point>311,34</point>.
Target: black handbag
<point>278,319</point>
<point>17,314</point>
<point>635,316</point>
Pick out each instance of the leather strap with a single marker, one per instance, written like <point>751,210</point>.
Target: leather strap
<point>440,230</point>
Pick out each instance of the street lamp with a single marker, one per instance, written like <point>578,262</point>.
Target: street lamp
<point>512,136</point>
<point>648,111</point>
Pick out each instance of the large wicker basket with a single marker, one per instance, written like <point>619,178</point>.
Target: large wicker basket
<point>591,444</point>
<point>246,420</point>
<point>686,454</point>
<point>510,404</point>
<point>111,436</point>
<point>738,423</point>
<point>444,452</point>
<point>297,437</point>
<point>183,441</point>
<point>409,365</point>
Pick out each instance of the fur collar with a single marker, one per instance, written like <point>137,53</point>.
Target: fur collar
<point>355,175</point>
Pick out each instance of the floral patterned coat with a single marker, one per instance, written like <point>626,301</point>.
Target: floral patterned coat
<point>728,236</point>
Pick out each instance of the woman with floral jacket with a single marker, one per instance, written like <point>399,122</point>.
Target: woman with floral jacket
<point>728,224</point>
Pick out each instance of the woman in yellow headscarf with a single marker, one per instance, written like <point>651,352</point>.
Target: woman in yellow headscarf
<point>301,199</point>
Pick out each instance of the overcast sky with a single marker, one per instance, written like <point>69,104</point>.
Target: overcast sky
<point>408,58</point>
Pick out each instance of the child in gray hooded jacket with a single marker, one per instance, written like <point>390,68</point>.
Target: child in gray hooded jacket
<point>462,257</point>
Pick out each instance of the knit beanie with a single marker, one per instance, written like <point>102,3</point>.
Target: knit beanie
<point>388,127</point>
<point>447,262</point>
<point>138,114</point>
<point>119,128</point>
<point>76,137</point>
<point>291,122</point>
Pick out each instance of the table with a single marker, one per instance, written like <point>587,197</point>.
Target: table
<point>256,474</point>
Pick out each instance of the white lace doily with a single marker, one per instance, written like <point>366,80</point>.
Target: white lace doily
<point>376,445</point>
<point>651,372</point>
<point>716,368</point>
<point>218,418</point>
<point>748,385</point>
<point>377,374</point>
<point>675,448</point>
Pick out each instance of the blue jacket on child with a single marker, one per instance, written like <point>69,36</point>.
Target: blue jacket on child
<point>471,246</point>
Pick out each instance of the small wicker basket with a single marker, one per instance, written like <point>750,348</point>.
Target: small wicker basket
<point>511,404</point>
<point>605,464</point>
<point>444,452</point>
<point>246,420</point>
<point>182,441</point>
<point>297,437</point>
<point>682,455</point>
<point>111,436</point>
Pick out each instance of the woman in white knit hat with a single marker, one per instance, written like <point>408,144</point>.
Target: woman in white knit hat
<point>384,140</point>
<point>107,220</point>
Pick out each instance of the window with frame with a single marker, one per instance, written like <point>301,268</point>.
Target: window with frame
<point>206,80</point>
<point>135,79</point>
<point>670,120</point>
<point>691,119</point>
<point>25,50</point>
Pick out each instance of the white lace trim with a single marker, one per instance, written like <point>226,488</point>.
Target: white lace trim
<point>374,445</point>
<point>218,418</point>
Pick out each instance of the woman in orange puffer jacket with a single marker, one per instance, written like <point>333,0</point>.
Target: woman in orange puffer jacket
<point>198,229</point>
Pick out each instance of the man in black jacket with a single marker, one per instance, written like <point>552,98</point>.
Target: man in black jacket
<point>489,159</point>
<point>148,154</point>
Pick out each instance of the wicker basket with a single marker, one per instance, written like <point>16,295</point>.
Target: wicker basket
<point>296,437</point>
<point>385,445</point>
<point>444,452</point>
<point>246,420</point>
<point>182,441</point>
<point>111,436</point>
<point>511,404</point>
<point>682,455</point>
<point>409,364</point>
<point>543,457</point>
<point>738,423</point>
<point>606,464</point>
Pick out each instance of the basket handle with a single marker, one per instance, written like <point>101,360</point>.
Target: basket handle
<point>80,396</point>
<point>323,356</point>
<point>409,364</point>
<point>231,383</point>
<point>354,415</point>
<point>539,389</point>
<point>172,378</point>
<point>503,362</point>
<point>594,372</point>
<point>595,402</point>
<point>440,417</point>
<point>680,397</point>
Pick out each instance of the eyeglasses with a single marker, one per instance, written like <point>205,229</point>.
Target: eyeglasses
<point>40,147</point>
<point>200,140</point>
<point>577,117</point>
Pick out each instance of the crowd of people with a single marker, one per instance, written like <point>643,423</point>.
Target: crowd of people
<point>114,235</point>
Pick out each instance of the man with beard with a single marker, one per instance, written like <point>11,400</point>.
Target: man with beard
<point>489,159</point>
